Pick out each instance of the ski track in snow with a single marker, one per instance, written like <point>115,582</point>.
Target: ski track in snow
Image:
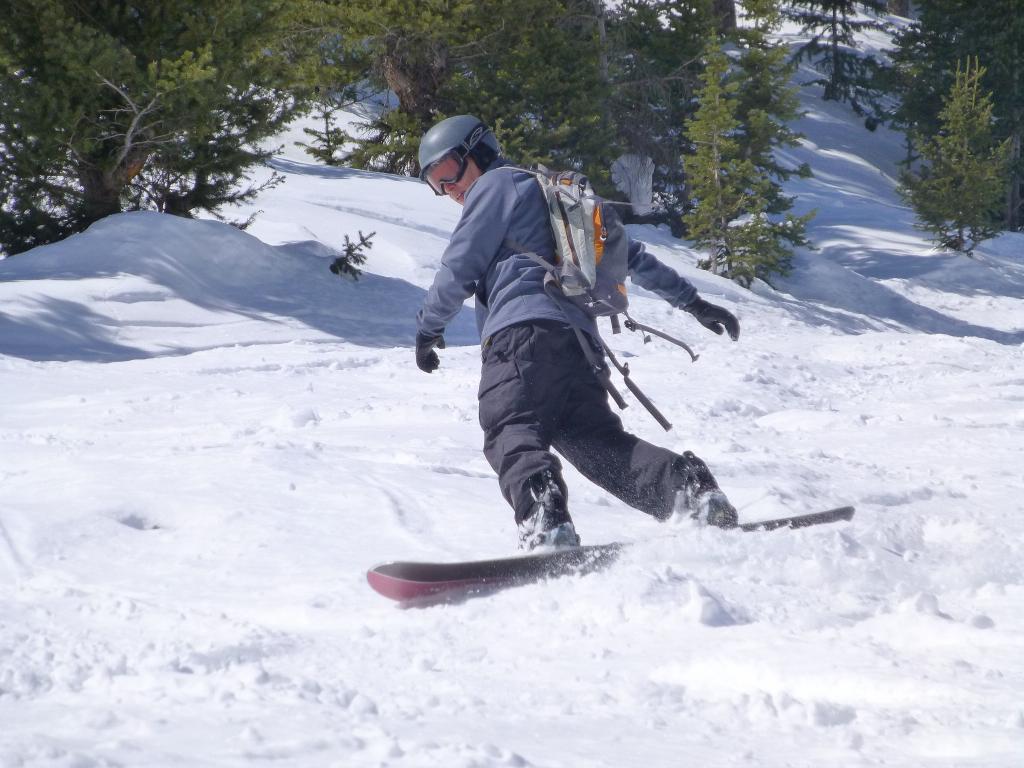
<point>204,447</point>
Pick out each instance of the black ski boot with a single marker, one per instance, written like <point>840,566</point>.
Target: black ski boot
<point>547,524</point>
<point>698,495</point>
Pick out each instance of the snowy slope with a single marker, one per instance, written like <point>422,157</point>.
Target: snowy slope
<point>207,438</point>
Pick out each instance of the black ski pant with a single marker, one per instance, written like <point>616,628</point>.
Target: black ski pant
<point>538,392</point>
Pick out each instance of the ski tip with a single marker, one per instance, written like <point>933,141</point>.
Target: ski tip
<point>423,583</point>
<point>801,521</point>
<point>841,513</point>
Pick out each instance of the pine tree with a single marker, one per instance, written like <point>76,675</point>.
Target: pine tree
<point>109,104</point>
<point>718,179</point>
<point>326,143</point>
<point>958,190</point>
<point>317,47</point>
<point>542,84</point>
<point>536,84</point>
<point>766,100</point>
<point>848,75</point>
<point>950,31</point>
<point>655,51</point>
<point>406,50</point>
<point>730,217</point>
<point>925,60</point>
<point>348,264</point>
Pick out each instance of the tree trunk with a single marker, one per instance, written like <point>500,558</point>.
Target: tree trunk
<point>602,40</point>
<point>1014,201</point>
<point>725,13</point>
<point>900,7</point>
<point>102,190</point>
<point>101,194</point>
<point>415,70</point>
<point>834,89</point>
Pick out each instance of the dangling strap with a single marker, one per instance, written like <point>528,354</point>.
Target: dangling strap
<point>603,374</point>
<point>631,385</point>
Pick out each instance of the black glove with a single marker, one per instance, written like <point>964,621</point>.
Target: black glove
<point>714,318</point>
<point>426,357</point>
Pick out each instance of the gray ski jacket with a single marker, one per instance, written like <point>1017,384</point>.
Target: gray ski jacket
<point>506,207</point>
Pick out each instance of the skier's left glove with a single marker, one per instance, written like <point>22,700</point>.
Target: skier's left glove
<point>426,357</point>
<point>714,318</point>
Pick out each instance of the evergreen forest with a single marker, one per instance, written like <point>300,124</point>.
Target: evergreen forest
<point>677,106</point>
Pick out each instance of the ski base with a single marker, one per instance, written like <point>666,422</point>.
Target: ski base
<point>416,583</point>
<point>421,584</point>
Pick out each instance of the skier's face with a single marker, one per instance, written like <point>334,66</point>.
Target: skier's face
<point>453,176</point>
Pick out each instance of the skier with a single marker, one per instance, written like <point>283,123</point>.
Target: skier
<point>537,389</point>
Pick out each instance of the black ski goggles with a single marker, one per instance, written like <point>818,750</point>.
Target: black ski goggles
<point>447,169</point>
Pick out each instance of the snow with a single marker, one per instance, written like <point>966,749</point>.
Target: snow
<point>207,438</point>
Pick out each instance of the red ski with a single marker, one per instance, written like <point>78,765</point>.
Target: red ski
<point>425,583</point>
<point>413,583</point>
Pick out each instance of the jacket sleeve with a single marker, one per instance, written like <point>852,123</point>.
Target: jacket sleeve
<point>647,272</point>
<point>477,240</point>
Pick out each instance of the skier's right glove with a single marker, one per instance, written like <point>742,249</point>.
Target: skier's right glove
<point>426,357</point>
<point>714,318</point>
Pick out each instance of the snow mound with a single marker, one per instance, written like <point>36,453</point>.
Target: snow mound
<point>145,284</point>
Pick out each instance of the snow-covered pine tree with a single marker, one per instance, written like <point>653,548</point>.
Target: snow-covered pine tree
<point>958,190</point>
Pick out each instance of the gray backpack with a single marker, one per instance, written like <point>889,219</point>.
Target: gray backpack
<point>590,269</point>
<point>591,246</point>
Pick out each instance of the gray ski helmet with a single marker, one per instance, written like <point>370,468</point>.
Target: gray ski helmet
<point>464,134</point>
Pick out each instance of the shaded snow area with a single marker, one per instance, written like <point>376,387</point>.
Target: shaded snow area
<point>207,438</point>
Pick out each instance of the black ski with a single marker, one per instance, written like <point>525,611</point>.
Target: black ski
<point>801,521</point>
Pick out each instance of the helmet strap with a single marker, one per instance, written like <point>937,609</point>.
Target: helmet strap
<point>482,155</point>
